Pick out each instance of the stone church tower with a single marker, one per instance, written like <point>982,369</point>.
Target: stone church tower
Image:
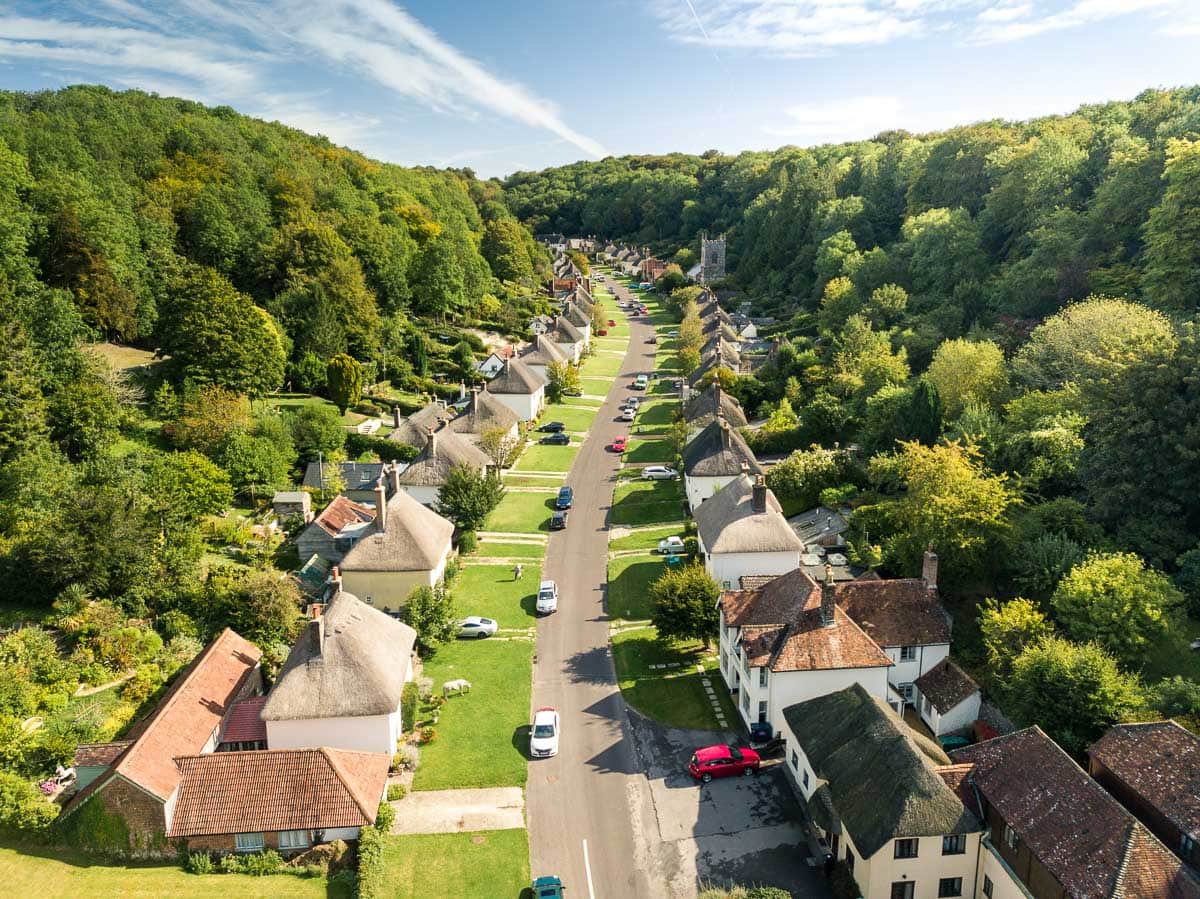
<point>712,258</point>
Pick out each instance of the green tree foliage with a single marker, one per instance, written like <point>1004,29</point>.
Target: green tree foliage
<point>468,497</point>
<point>1171,278</point>
<point>209,414</point>
<point>344,381</point>
<point>84,417</point>
<point>562,377</point>
<point>187,485</point>
<point>439,282</point>
<point>581,261</point>
<point>1112,599</point>
<point>506,249</point>
<point>261,606</point>
<point>258,458</point>
<point>671,279</point>
<point>798,480</point>
<point>1179,698</point>
<point>685,604</point>
<point>317,430</point>
<point>1008,629</point>
<point>1074,691</point>
<point>22,405</point>
<point>965,371</point>
<point>430,612</point>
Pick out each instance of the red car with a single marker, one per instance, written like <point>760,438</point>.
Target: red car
<point>618,445</point>
<point>723,761</point>
<point>611,323</point>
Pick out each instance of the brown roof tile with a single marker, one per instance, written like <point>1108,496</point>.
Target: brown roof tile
<point>902,612</point>
<point>95,755</point>
<point>341,512</point>
<point>280,789</point>
<point>778,602</point>
<point>1160,762</point>
<point>946,685</point>
<point>244,722</point>
<point>1082,836</point>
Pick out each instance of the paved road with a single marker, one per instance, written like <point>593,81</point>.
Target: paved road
<point>594,792</point>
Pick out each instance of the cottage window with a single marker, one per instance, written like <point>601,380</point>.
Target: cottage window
<point>906,848</point>
<point>1187,845</point>
<point>987,886</point>
<point>908,653</point>
<point>905,690</point>
<point>248,842</point>
<point>293,839</point>
<point>949,886</point>
<point>762,677</point>
<point>1010,837</point>
<point>795,761</point>
<point>955,844</point>
<point>746,701</point>
<point>904,889</point>
<point>805,779</point>
<point>762,712</point>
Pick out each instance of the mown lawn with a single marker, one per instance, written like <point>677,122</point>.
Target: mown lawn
<point>658,413</point>
<point>582,402</point>
<point>674,696</point>
<point>484,865</point>
<point>575,418</point>
<point>649,451</point>
<point>644,539</point>
<point>521,513</point>
<point>483,735</point>
<point>490,591</point>
<point>55,873</point>
<point>629,580</point>
<point>546,457</point>
<point>638,502</point>
<point>501,550</point>
<point>603,365</point>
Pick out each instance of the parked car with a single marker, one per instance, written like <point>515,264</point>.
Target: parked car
<point>603,332</point>
<point>547,598</point>
<point>552,427</point>
<point>659,473</point>
<point>561,438</point>
<point>723,761</point>
<point>640,382</point>
<point>543,736</point>
<point>558,521</point>
<point>634,401</point>
<point>672,333</point>
<point>611,323</point>
<point>477,627</point>
<point>672,546</point>
<point>618,445</point>
<point>565,498</point>
<point>628,413</point>
<point>653,339</point>
<point>572,391</point>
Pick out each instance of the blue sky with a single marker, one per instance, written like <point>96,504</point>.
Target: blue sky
<point>500,86</point>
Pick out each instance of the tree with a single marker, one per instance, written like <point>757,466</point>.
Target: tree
<point>468,497</point>
<point>1112,599</point>
<point>439,285</point>
<point>187,486</point>
<point>500,446</point>
<point>1177,697</point>
<point>1172,275</point>
<point>671,279</point>
<point>1007,630</point>
<point>22,406</point>
<point>344,381</point>
<point>581,262</point>
<point>563,378</point>
<point>1074,691</point>
<point>864,361</point>
<point>257,459</point>
<point>798,480</point>
<point>209,415</point>
<point>504,247</point>
<point>85,417</point>
<point>685,604</point>
<point>317,430</point>
<point>430,612</point>
<point>964,371</point>
<point>464,358</point>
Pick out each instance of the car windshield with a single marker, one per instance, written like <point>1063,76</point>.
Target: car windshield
<point>695,761</point>
<point>486,621</point>
<point>546,594</point>
<point>543,730</point>
<point>735,753</point>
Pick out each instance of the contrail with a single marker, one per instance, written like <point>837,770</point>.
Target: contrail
<point>704,32</point>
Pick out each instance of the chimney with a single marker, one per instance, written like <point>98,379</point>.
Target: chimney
<point>394,471</point>
<point>397,418</point>
<point>929,566</point>
<point>827,599</point>
<point>431,441</point>
<point>335,580</point>
<point>381,504</point>
<point>724,433</point>
<point>759,496</point>
<point>462,390</point>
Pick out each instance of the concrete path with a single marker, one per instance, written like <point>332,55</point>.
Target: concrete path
<point>454,811</point>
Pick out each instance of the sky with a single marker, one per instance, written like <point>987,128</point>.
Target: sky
<point>505,85</point>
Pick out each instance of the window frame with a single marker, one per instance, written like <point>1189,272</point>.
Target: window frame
<point>988,886</point>
<point>905,842</point>
<point>307,840</point>
<point>795,761</point>
<point>238,842</point>
<point>1011,840</point>
<point>1187,844</point>
<point>908,653</point>
<point>762,676</point>
<point>908,889</point>
<point>954,844</point>
<point>950,883</point>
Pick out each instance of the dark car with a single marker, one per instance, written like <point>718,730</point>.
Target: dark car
<point>566,496</point>
<point>558,520</point>
<point>561,438</point>
<point>552,427</point>
<point>572,391</point>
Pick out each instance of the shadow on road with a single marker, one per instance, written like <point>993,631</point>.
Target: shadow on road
<point>590,667</point>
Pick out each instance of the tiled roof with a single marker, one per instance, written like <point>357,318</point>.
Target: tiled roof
<point>900,612</point>
<point>1080,834</point>
<point>341,512</point>
<point>804,644</point>
<point>184,720</point>
<point>777,602</point>
<point>99,755</point>
<point>946,685</point>
<point>280,789</point>
<point>356,475</point>
<point>1160,762</point>
<point>244,722</point>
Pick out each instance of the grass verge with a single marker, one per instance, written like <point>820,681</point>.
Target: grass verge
<point>490,590</point>
<point>545,457</point>
<point>629,580</point>
<point>673,696</point>
<point>493,863</point>
<point>521,513</point>
<point>644,539</point>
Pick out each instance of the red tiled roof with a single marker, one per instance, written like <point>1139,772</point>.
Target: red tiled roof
<point>185,719</point>
<point>946,685</point>
<point>244,722</point>
<point>902,612</point>
<point>805,645</point>
<point>1160,762</point>
<point>1083,837</point>
<point>279,789</point>
<point>96,755</point>
<point>956,778</point>
<point>341,512</point>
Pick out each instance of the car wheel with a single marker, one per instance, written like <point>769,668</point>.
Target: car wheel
<point>707,778</point>
<point>482,634</point>
<point>748,772</point>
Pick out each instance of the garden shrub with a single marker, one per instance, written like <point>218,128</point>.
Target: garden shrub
<point>396,791</point>
<point>262,863</point>
<point>468,542</point>
<point>409,697</point>
<point>199,863</point>
<point>92,827</point>
<point>387,450</point>
<point>371,874</point>
<point>384,817</point>
<point>842,883</point>
<point>23,809</point>
<point>231,864</point>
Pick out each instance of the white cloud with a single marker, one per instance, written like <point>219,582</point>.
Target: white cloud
<point>1075,15</point>
<point>852,118</point>
<point>1006,12</point>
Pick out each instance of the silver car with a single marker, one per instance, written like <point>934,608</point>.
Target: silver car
<point>477,627</point>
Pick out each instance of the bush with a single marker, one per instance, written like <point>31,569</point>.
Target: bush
<point>365,408</point>
<point>387,450</point>
<point>468,542</point>
<point>396,792</point>
<point>23,809</point>
<point>262,863</point>
<point>199,863</point>
<point>409,697</point>
<point>231,864</point>
<point>842,883</point>
<point>385,816</point>
<point>427,734</point>
<point>768,893</point>
<point>404,759</point>
<point>371,872</point>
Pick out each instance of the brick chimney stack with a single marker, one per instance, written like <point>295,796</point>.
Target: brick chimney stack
<point>397,418</point>
<point>929,567</point>
<point>827,599</point>
<point>381,503</point>
<point>758,499</point>
<point>394,473</point>
<point>335,580</point>
<point>431,436</point>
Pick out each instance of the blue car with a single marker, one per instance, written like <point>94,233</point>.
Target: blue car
<point>566,496</point>
<point>548,887</point>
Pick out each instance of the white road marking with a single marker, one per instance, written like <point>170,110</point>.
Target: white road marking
<point>587,868</point>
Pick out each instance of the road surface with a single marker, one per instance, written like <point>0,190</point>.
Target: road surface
<point>590,814</point>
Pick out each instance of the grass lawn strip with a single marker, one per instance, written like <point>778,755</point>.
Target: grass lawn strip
<point>644,538</point>
<point>649,451</point>
<point>534,479</point>
<point>629,580</point>
<point>521,513</point>
<point>540,457</point>
<point>492,864</point>
<point>490,591</point>
<point>483,735</point>
<point>576,419</point>
<point>661,681</point>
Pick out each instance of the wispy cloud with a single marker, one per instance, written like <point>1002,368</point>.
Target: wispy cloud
<point>241,51</point>
<point>1013,22</point>
<point>853,118</point>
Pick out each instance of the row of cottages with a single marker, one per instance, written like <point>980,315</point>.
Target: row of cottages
<point>717,455</point>
<point>710,404</point>
<point>216,766</point>
<point>442,451</point>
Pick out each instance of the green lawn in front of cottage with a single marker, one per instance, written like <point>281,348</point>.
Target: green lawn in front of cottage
<point>499,549</point>
<point>58,873</point>
<point>514,479</point>
<point>492,864</point>
<point>638,502</point>
<point>482,737</point>
<point>649,451</point>
<point>629,580</point>
<point>674,696</point>
<point>491,591</point>
<point>658,412</point>
<point>576,419</point>
<point>644,538</point>
<point>582,402</point>
<point>603,365</point>
<point>521,513</point>
<point>546,457</point>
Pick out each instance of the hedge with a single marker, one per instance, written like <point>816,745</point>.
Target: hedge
<point>371,874</point>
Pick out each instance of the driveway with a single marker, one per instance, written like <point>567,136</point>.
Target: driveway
<point>456,811</point>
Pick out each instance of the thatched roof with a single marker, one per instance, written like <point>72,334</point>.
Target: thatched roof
<point>567,332</point>
<point>413,429</point>
<point>543,351</point>
<point>483,412</point>
<point>577,316</point>
<point>728,522</point>
<point>718,451</point>
<point>351,662</point>
<point>443,450</point>
<point>516,378</point>
<point>409,538</point>
<point>714,402</point>
<point>881,785</point>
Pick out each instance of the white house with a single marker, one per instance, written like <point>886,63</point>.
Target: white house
<point>575,314</point>
<point>425,475</point>
<point>569,339</point>
<point>947,699</point>
<point>489,366</point>
<point>787,641</point>
<point>406,546</point>
<point>340,686</point>
<point>520,388</point>
<point>881,797</point>
<point>742,532</point>
<point>713,458</point>
<point>543,352</point>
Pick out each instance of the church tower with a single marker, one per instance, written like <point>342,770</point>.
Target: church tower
<point>712,258</point>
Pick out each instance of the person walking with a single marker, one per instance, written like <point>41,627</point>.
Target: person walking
<point>517,570</point>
